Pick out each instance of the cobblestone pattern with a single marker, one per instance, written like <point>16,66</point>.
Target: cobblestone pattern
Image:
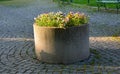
<point>17,42</point>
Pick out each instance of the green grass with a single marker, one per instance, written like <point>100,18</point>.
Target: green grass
<point>85,3</point>
<point>92,3</point>
<point>15,2</point>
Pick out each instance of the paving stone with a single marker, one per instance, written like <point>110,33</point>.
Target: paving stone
<point>17,41</point>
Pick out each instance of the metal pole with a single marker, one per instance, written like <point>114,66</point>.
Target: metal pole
<point>88,1</point>
<point>71,0</point>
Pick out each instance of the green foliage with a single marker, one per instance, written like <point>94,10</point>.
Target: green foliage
<point>61,20</point>
<point>96,57</point>
<point>116,34</point>
<point>94,51</point>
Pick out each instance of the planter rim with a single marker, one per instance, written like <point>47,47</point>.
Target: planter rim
<point>58,27</point>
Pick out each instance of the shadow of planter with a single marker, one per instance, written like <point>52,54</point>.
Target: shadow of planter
<point>59,45</point>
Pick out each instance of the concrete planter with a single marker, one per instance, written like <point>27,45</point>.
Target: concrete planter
<point>58,45</point>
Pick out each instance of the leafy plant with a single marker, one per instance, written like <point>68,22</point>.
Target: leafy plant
<point>61,20</point>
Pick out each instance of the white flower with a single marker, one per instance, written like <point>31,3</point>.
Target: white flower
<point>34,18</point>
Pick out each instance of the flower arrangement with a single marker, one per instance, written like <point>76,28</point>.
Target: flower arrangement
<point>61,20</point>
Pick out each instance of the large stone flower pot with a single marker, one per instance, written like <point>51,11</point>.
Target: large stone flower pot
<point>59,45</point>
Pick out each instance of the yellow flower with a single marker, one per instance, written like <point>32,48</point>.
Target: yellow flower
<point>61,25</point>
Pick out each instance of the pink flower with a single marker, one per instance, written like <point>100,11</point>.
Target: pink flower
<point>66,19</point>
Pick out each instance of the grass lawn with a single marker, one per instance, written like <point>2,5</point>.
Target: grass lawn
<point>15,2</point>
<point>92,3</point>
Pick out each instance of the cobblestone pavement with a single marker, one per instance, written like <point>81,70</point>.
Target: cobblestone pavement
<point>17,42</point>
